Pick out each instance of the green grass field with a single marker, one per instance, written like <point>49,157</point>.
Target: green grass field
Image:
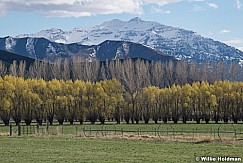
<point>79,149</point>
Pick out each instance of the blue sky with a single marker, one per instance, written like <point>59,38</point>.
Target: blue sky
<point>221,20</point>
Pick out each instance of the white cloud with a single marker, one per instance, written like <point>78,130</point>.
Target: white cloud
<point>213,5</point>
<point>196,0</point>
<point>159,10</point>
<point>2,9</point>
<point>198,8</point>
<point>240,48</point>
<point>160,2</point>
<point>238,43</point>
<point>76,8</point>
<point>234,41</point>
<point>223,31</point>
<point>238,4</point>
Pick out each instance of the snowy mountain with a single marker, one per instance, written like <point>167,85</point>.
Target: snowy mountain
<point>41,48</point>
<point>177,42</point>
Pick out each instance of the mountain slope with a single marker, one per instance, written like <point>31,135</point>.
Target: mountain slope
<point>8,58</point>
<point>40,48</point>
<point>177,42</point>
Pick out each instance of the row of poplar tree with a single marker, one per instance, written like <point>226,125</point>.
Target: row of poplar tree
<point>36,99</point>
<point>132,73</point>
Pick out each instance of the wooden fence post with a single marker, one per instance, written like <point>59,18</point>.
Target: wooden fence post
<point>193,133</point>
<point>10,129</point>
<point>47,127</point>
<point>23,130</point>
<point>76,130</point>
<point>38,128</point>
<point>19,129</point>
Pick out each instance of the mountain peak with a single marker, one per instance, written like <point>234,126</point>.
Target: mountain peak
<point>136,19</point>
<point>177,42</point>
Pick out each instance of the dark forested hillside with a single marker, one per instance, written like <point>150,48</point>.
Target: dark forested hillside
<point>8,58</point>
<point>40,48</point>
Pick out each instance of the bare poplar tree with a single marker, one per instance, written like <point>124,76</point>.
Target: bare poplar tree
<point>102,73</point>
<point>91,70</point>
<point>181,73</point>
<point>66,70</point>
<point>22,69</point>
<point>192,72</point>
<point>56,69</point>
<point>233,72</point>
<point>3,69</point>
<point>13,69</point>
<point>169,72</point>
<point>203,72</point>
<point>157,73</point>
<point>35,70</point>
<point>76,70</point>
<point>221,70</point>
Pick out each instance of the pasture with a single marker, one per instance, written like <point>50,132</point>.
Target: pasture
<point>79,149</point>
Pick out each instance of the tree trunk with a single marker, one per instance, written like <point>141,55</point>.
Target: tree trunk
<point>184,119</point>
<point>226,119</point>
<point>17,119</point>
<point>235,118</point>
<point>50,119</point>
<point>118,121</point>
<point>81,121</point>
<point>5,117</point>
<point>127,118</point>
<point>39,121</point>
<point>92,118</point>
<point>165,119</point>
<point>207,119</point>
<point>60,121</point>
<point>28,121</point>
<point>6,121</point>
<point>71,121</point>
<point>146,120</point>
<point>132,119</point>
<point>198,119</point>
<point>175,118</point>
<point>216,118</point>
<point>137,120</point>
<point>102,120</point>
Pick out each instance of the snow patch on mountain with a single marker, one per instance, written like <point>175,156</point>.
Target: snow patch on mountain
<point>123,51</point>
<point>30,47</point>
<point>10,44</point>
<point>51,50</point>
<point>93,53</point>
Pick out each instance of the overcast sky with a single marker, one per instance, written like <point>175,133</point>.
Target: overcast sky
<point>221,20</point>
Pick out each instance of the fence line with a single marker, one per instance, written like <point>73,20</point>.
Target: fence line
<point>85,131</point>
